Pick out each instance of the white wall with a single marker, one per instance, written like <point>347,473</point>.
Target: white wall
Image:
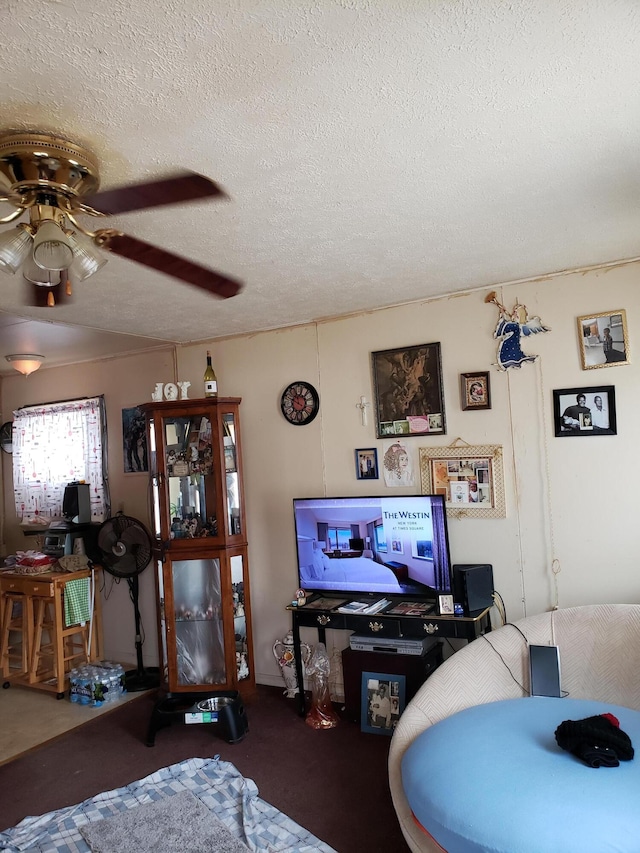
<point>570,533</point>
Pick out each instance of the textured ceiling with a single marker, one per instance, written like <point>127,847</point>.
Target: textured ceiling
<point>374,152</point>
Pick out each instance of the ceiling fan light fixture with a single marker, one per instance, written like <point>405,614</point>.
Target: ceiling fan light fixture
<point>87,260</point>
<point>15,246</point>
<point>36,275</point>
<point>25,363</point>
<point>51,247</point>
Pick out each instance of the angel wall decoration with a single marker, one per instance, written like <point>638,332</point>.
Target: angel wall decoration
<point>511,326</point>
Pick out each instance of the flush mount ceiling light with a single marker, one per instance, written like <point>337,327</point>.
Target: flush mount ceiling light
<point>25,362</point>
<point>54,181</point>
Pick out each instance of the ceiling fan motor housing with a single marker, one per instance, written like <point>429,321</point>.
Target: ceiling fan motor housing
<point>32,163</point>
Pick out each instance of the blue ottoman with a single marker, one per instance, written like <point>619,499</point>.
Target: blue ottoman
<point>492,778</point>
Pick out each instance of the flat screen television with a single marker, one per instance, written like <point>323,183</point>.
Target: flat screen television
<point>405,539</point>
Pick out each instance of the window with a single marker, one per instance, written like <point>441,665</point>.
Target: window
<point>55,444</point>
<point>381,539</point>
<point>338,538</point>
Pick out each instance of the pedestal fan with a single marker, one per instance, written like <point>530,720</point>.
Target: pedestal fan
<point>126,549</point>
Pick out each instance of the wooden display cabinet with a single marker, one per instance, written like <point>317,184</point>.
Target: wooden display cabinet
<point>195,455</point>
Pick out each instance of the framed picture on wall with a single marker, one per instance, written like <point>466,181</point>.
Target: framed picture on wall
<point>367,463</point>
<point>134,441</point>
<point>409,398</point>
<point>475,391</point>
<point>603,339</point>
<point>585,411</point>
<point>469,476</point>
<point>383,700</point>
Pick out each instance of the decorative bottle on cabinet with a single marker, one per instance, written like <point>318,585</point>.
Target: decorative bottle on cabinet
<point>201,545</point>
<point>210,380</point>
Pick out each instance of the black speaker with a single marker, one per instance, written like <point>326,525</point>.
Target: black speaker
<point>473,586</point>
<point>76,503</point>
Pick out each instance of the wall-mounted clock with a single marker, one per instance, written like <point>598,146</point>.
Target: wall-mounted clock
<point>300,403</point>
<point>6,437</point>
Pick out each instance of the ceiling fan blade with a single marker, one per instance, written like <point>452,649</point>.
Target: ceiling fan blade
<point>174,265</point>
<point>187,187</point>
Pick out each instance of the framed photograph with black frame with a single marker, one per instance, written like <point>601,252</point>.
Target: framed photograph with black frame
<point>585,411</point>
<point>409,397</point>
<point>383,701</point>
<point>367,463</point>
<point>603,339</point>
<point>475,392</point>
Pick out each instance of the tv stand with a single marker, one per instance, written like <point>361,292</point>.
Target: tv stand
<point>381,624</point>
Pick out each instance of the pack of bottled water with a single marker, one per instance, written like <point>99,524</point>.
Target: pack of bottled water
<point>97,683</point>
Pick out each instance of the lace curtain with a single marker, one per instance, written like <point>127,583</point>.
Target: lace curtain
<point>55,444</point>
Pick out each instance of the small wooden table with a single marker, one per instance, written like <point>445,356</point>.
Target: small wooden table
<point>39,592</point>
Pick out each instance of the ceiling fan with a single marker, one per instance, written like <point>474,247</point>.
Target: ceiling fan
<point>55,181</point>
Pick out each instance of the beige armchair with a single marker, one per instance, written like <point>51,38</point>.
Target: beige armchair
<point>599,659</point>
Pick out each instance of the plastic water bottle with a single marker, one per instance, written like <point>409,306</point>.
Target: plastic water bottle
<point>83,682</point>
<point>73,685</point>
<point>99,686</point>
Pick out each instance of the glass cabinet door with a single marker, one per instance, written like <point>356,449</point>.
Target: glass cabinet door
<point>190,476</point>
<point>234,520</point>
<point>200,655</point>
<point>240,618</point>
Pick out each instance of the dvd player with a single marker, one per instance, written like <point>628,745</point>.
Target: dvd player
<point>394,645</point>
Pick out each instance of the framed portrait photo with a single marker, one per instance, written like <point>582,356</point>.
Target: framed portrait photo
<point>445,605</point>
<point>367,463</point>
<point>383,701</point>
<point>409,397</point>
<point>603,339</point>
<point>475,391</point>
<point>585,411</point>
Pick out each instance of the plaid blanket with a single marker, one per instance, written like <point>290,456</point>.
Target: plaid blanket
<point>217,784</point>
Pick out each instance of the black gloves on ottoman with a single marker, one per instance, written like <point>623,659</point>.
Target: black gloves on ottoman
<point>598,741</point>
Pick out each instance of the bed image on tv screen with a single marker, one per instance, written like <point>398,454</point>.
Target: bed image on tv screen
<point>402,545</point>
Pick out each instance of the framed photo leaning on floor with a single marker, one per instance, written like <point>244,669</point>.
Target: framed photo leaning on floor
<point>383,700</point>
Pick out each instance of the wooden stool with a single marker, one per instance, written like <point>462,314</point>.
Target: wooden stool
<point>14,652</point>
<point>51,648</point>
<point>57,649</point>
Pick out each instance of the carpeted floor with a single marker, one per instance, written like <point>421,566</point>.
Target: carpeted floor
<point>334,782</point>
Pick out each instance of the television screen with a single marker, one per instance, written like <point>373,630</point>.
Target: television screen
<point>405,545</point>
